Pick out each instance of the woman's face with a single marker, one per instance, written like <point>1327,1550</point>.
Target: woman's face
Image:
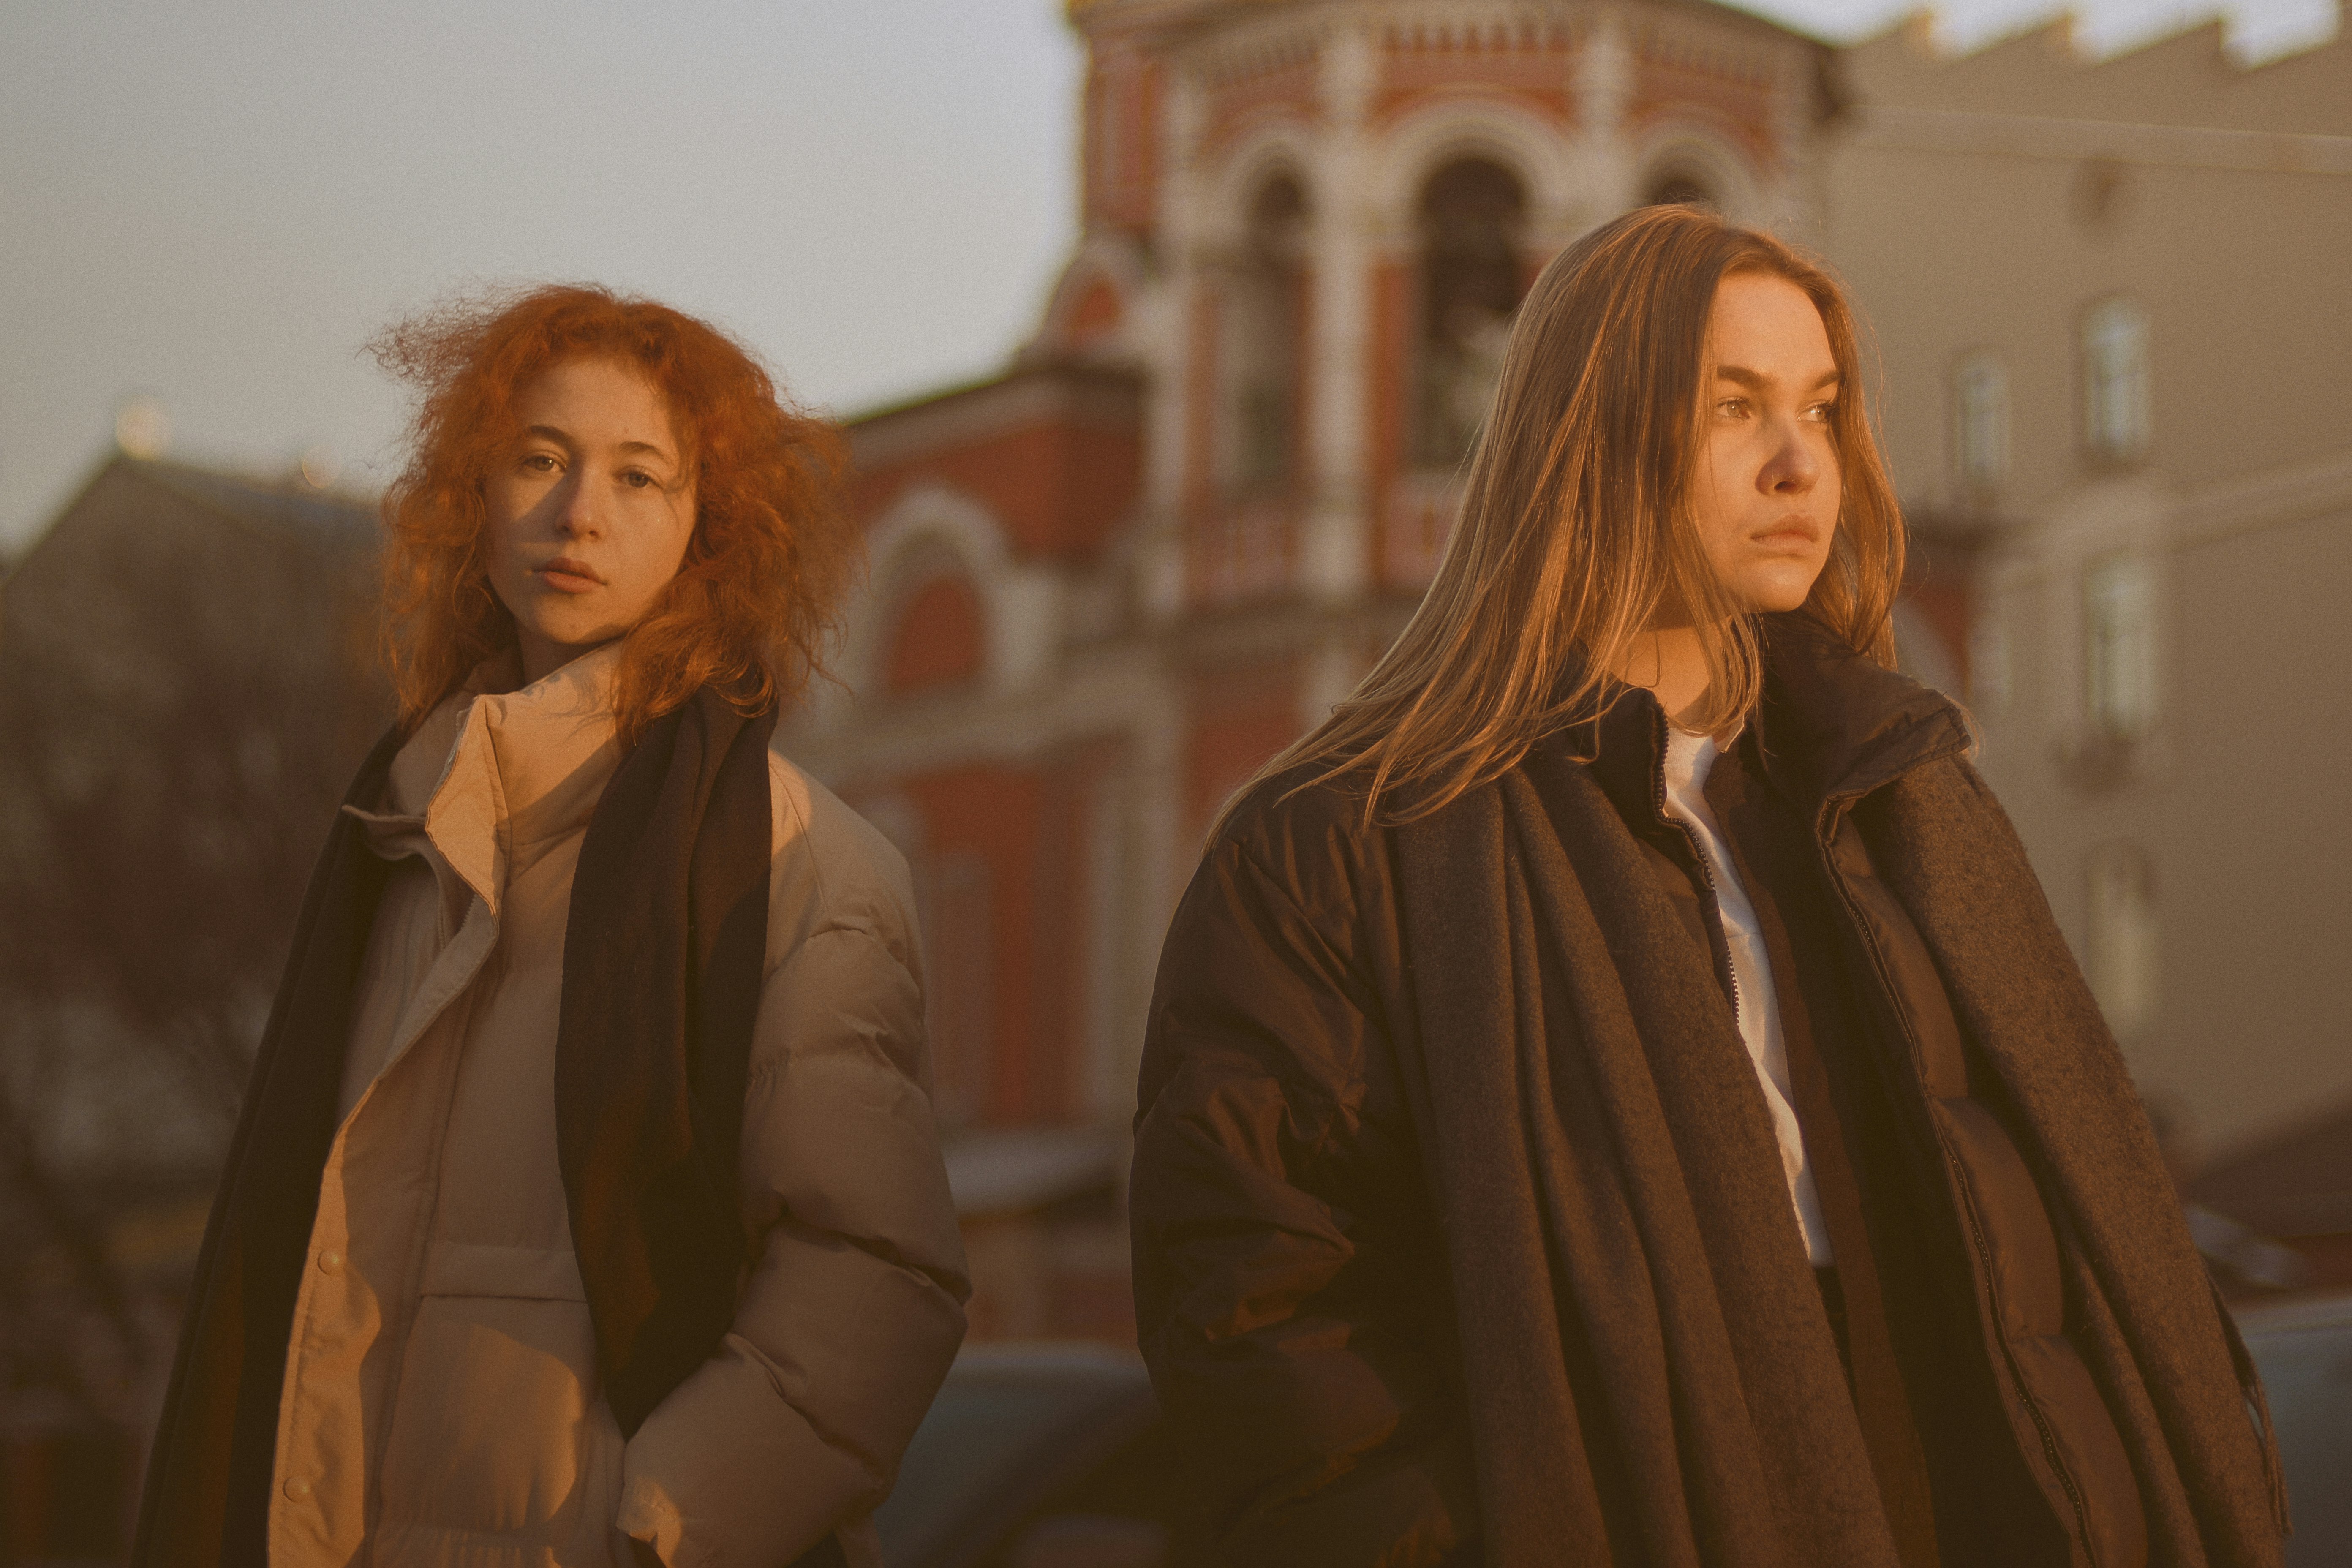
<point>590,509</point>
<point>1768,487</point>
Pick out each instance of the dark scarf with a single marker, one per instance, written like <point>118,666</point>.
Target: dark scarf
<point>1648,1365</point>
<point>661,966</point>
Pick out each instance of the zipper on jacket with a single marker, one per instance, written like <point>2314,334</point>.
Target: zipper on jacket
<point>1726,971</point>
<point>1832,811</point>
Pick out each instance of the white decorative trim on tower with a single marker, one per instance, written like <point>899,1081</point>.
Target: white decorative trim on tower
<point>1281,147</point>
<point>1022,603</point>
<point>1791,200</point>
<point>1688,144</point>
<point>1604,88</point>
<point>1335,536</point>
<point>1473,125</point>
<point>1160,545</point>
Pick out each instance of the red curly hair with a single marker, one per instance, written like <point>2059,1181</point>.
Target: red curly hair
<point>772,549</point>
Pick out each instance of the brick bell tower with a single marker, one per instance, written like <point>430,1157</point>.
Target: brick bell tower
<point>1109,583</point>
<point>1307,225</point>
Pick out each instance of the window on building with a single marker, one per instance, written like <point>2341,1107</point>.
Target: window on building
<point>1470,286</point>
<point>1265,348</point>
<point>1674,186</point>
<point>939,638</point>
<point>1981,421</point>
<point>2119,659</point>
<point>2116,398</point>
<point>2121,958</point>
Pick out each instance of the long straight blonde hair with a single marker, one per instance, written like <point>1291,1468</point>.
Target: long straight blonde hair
<point>1576,529</point>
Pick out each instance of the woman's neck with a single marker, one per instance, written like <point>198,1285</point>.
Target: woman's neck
<point>1670,665</point>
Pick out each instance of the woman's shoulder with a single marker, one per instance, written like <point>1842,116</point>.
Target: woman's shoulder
<point>1309,834</point>
<point>831,868</point>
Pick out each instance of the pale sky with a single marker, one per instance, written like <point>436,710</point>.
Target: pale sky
<point>218,205</point>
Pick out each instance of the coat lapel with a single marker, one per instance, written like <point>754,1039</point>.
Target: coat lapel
<point>663,965</point>
<point>1950,855</point>
<point>1468,1078</point>
<point>207,1497</point>
<point>1608,1184</point>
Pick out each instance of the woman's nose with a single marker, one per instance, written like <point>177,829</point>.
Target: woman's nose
<point>575,515</point>
<point>1794,465</point>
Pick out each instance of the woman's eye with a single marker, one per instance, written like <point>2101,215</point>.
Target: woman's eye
<point>636,478</point>
<point>539,463</point>
<point>1732,408</point>
<point>1820,412</point>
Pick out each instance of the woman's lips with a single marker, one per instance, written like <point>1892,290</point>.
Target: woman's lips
<point>568,576</point>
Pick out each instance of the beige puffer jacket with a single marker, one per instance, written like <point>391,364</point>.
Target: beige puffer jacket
<point>441,1403</point>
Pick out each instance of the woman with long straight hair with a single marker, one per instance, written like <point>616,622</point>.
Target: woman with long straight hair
<point>1615,1093</point>
<point>586,1206</point>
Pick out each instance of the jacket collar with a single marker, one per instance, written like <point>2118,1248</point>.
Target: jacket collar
<point>1624,743</point>
<point>496,772</point>
<point>1832,726</point>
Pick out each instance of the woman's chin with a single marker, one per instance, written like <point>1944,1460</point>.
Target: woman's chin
<point>578,634</point>
<point>1768,592</point>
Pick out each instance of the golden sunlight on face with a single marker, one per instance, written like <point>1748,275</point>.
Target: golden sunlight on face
<point>590,510</point>
<point>1767,486</point>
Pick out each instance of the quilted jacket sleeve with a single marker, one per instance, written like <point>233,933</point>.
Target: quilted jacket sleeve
<point>853,1311</point>
<point>1285,1271</point>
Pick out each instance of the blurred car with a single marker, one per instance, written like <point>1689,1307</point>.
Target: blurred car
<point>1041,1456</point>
<point>2305,1350</point>
<point>1048,1455</point>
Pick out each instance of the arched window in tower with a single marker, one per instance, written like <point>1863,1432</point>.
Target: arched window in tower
<point>940,637</point>
<point>1470,286</point>
<point>1264,347</point>
<point>1675,185</point>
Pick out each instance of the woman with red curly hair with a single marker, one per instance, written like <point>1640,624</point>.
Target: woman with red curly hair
<point>586,1206</point>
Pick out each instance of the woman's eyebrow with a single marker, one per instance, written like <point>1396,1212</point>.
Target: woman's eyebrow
<point>1759,381</point>
<point>563,438</point>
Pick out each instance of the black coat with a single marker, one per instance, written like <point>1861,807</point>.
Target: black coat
<point>1459,1225</point>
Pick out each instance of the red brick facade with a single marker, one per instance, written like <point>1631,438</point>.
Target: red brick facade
<point>1111,583</point>
<point>1530,64</point>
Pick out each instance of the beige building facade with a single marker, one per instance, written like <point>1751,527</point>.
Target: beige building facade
<point>2114,305</point>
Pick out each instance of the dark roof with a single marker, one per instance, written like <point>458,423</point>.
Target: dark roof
<point>261,500</point>
<point>276,505</point>
<point>924,399</point>
<point>2298,1183</point>
<point>1077,375</point>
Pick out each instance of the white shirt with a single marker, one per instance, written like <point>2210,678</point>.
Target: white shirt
<point>1754,1002</point>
